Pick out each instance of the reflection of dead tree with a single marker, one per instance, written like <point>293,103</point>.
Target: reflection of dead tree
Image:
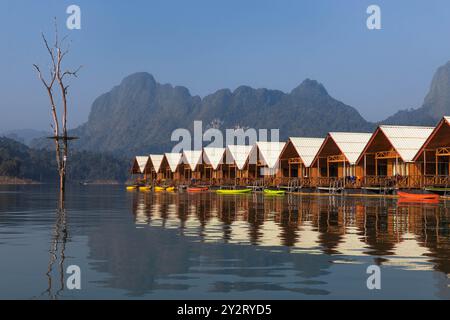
<point>57,77</point>
<point>57,253</point>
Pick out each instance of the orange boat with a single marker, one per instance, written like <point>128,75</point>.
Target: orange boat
<point>418,196</point>
<point>197,189</point>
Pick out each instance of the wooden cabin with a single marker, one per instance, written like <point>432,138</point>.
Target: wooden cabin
<point>297,157</point>
<point>433,158</point>
<point>235,170</point>
<point>213,160</point>
<point>264,160</point>
<point>387,159</point>
<point>171,167</point>
<point>335,162</point>
<point>152,171</point>
<point>191,162</point>
<point>138,168</point>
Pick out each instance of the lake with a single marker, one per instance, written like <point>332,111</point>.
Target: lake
<point>204,246</point>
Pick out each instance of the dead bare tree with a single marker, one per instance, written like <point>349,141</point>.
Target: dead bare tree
<point>57,77</point>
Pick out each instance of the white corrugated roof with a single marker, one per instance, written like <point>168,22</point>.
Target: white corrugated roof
<point>351,144</point>
<point>447,118</point>
<point>173,159</point>
<point>142,162</point>
<point>213,156</point>
<point>406,140</point>
<point>239,154</point>
<point>269,151</point>
<point>307,148</point>
<point>156,161</point>
<point>192,158</point>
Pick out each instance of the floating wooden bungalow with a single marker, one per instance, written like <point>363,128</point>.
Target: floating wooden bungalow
<point>433,158</point>
<point>213,160</point>
<point>298,155</point>
<point>139,164</point>
<point>235,167</point>
<point>388,158</point>
<point>264,159</point>
<point>192,163</point>
<point>152,171</point>
<point>337,157</point>
<point>171,166</point>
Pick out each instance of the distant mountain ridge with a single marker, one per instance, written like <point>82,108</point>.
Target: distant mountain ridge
<point>139,115</point>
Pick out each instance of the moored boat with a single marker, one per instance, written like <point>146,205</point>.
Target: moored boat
<point>417,196</point>
<point>145,188</point>
<point>272,192</point>
<point>197,189</point>
<point>132,188</point>
<point>159,189</point>
<point>233,191</point>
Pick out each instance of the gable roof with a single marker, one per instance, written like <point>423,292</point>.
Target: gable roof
<point>269,151</point>
<point>156,160</point>
<point>307,148</point>
<point>213,156</point>
<point>142,162</point>
<point>192,158</point>
<point>351,144</point>
<point>406,140</point>
<point>239,154</point>
<point>173,159</point>
<point>445,119</point>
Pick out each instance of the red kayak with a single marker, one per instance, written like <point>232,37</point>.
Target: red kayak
<point>418,196</point>
<point>197,189</point>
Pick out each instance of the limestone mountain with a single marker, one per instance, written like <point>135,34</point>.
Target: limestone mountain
<point>436,103</point>
<point>139,115</point>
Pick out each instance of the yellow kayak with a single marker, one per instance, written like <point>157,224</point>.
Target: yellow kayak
<point>170,189</point>
<point>131,188</point>
<point>146,188</point>
<point>271,192</point>
<point>159,189</point>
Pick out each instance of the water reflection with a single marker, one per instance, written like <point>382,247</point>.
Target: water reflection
<point>413,236</point>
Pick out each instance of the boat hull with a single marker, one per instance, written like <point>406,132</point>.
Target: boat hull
<point>238,191</point>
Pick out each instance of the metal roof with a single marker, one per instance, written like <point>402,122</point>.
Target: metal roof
<point>192,158</point>
<point>351,144</point>
<point>156,161</point>
<point>239,154</point>
<point>173,159</point>
<point>406,140</point>
<point>447,118</point>
<point>213,156</point>
<point>269,151</point>
<point>142,162</point>
<point>307,148</point>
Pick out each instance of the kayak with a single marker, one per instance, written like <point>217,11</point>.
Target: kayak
<point>417,196</point>
<point>159,189</point>
<point>197,189</point>
<point>270,192</point>
<point>170,189</point>
<point>233,191</point>
<point>146,188</point>
<point>131,188</point>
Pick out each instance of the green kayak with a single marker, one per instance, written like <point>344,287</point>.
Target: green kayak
<point>233,191</point>
<point>274,192</point>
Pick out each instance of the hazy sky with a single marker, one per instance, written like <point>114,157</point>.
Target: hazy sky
<point>206,45</point>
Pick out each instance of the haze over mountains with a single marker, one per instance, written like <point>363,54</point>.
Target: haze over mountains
<point>139,115</point>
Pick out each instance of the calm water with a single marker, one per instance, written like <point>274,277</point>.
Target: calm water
<point>203,246</point>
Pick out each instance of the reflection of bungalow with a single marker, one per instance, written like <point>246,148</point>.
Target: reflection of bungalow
<point>213,159</point>
<point>236,162</point>
<point>153,166</point>
<point>390,153</point>
<point>337,156</point>
<point>264,159</point>
<point>171,166</point>
<point>434,156</point>
<point>191,163</point>
<point>298,155</point>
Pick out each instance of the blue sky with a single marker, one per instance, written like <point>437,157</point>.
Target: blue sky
<point>208,45</point>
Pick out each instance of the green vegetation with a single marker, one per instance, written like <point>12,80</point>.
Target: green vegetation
<point>18,160</point>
